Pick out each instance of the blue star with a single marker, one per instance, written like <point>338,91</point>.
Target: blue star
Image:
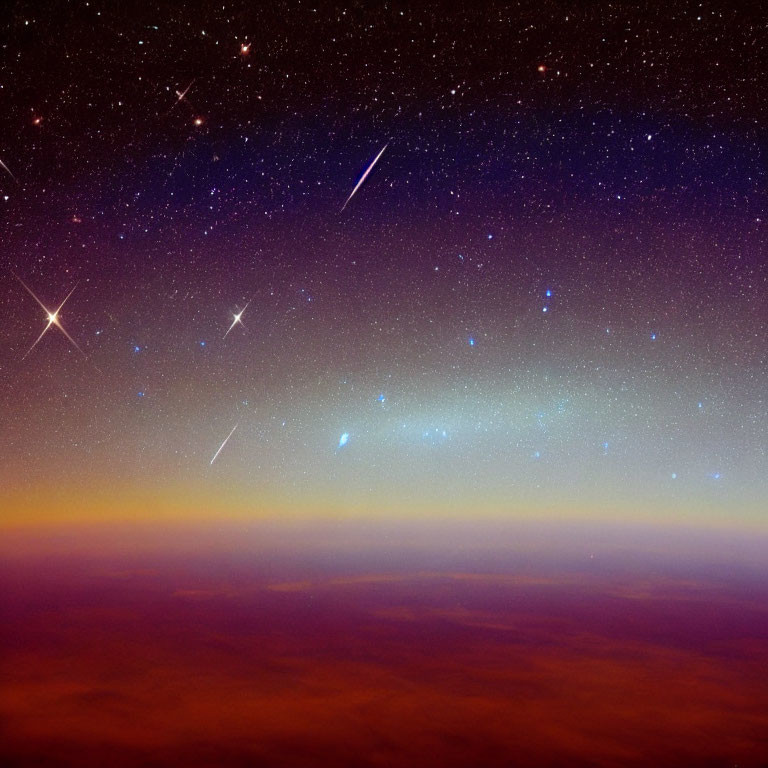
<point>140,394</point>
<point>136,348</point>
<point>343,440</point>
<point>381,398</point>
<point>202,343</point>
<point>471,342</point>
<point>653,337</point>
<point>548,293</point>
<point>544,309</point>
<point>674,475</point>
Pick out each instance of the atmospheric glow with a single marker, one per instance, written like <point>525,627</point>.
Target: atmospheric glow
<point>406,405</point>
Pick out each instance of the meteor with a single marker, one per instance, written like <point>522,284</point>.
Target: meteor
<point>221,447</point>
<point>53,318</point>
<point>8,171</point>
<point>180,96</point>
<point>364,176</point>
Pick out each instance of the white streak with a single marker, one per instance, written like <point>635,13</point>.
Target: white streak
<point>180,96</point>
<point>364,176</point>
<point>184,92</point>
<point>221,447</point>
<point>8,171</point>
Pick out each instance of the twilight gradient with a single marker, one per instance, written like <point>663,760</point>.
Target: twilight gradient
<point>547,299</point>
<point>466,465</point>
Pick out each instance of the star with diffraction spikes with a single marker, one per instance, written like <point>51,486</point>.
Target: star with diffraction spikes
<point>53,319</point>
<point>237,316</point>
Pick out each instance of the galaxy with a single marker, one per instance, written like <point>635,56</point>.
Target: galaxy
<point>383,384</point>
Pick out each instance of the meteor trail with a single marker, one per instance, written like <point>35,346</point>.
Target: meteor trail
<point>237,319</point>
<point>53,318</point>
<point>181,96</point>
<point>224,443</point>
<point>364,176</point>
<point>8,171</point>
<point>183,93</point>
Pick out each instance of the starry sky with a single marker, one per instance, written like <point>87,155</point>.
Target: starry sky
<point>547,298</point>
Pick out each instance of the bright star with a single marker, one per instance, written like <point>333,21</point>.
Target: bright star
<point>52,317</point>
<point>343,440</point>
<point>237,316</point>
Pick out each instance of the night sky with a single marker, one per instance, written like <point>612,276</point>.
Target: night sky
<point>383,385</point>
<point>547,298</point>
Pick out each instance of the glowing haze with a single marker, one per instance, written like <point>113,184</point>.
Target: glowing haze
<point>383,384</point>
<point>547,298</point>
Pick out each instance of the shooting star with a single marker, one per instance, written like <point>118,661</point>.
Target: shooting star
<point>221,447</point>
<point>8,171</point>
<point>364,176</point>
<point>53,318</point>
<point>237,316</point>
<point>181,96</point>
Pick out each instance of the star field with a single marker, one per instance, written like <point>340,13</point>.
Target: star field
<point>547,297</point>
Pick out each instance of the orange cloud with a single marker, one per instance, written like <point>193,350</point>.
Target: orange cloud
<point>171,664</point>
